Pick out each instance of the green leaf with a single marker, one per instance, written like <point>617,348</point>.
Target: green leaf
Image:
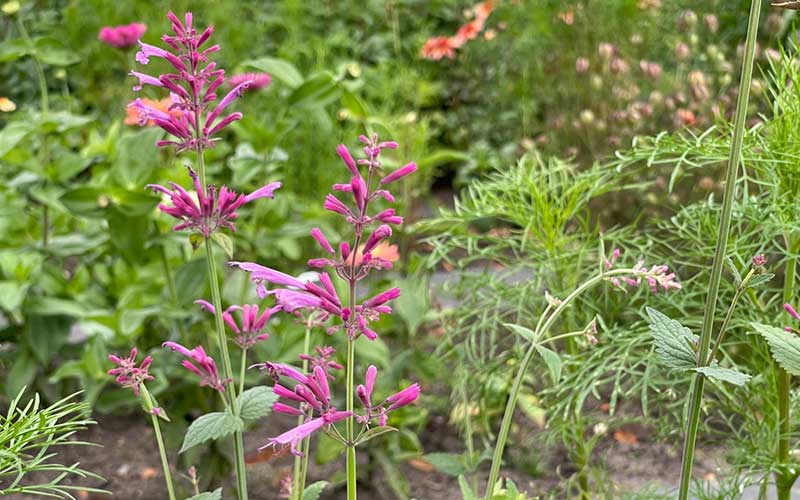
<point>673,341</point>
<point>523,332</point>
<point>442,157</point>
<point>256,402</point>
<point>759,280</point>
<point>447,463</point>
<point>553,362</point>
<point>12,294</point>
<point>225,241</point>
<point>375,432</point>
<point>314,490</point>
<point>12,50</point>
<point>51,51</point>
<point>724,374</point>
<point>466,490</point>
<point>277,68</point>
<point>21,373</point>
<point>328,450</point>
<point>737,277</point>
<point>46,335</point>
<point>12,134</point>
<point>211,426</point>
<point>353,104</point>
<point>785,346</point>
<point>208,495</point>
<point>85,201</point>
<point>190,280</point>
<point>318,90</point>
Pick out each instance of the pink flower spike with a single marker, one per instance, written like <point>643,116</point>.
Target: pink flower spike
<point>294,436</point>
<point>122,37</point>
<point>127,374</point>
<point>789,309</point>
<point>316,233</point>
<point>257,80</point>
<point>145,80</point>
<point>382,298</point>
<point>399,173</point>
<point>289,410</point>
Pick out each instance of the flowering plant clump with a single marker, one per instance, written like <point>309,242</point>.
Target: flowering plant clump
<point>439,47</point>
<point>123,36</point>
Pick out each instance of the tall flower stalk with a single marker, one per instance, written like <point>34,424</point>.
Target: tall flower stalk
<point>193,120</point>
<point>719,254</point>
<point>785,479</point>
<point>656,277</point>
<point>352,263</point>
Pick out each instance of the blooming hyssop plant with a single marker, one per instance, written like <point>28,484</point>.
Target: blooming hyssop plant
<point>193,116</point>
<point>351,263</point>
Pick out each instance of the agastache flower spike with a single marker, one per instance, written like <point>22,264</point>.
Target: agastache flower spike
<point>207,212</point>
<point>194,82</point>
<point>127,373</point>
<point>206,367</point>
<point>393,402</point>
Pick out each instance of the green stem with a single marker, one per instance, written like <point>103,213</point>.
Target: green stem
<point>299,476</point>
<point>719,254</point>
<point>216,298</point>
<point>161,449</point>
<point>242,371</point>
<point>45,107</point>
<point>784,480</point>
<point>728,315</point>
<point>351,448</point>
<point>544,325</point>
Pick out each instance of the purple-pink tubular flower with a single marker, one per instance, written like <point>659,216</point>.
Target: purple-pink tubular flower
<point>194,83</point>
<point>127,373</point>
<point>251,330</point>
<point>257,80</point>
<point>294,436</point>
<point>123,36</point>
<point>323,359</point>
<point>209,211</point>
<point>400,173</point>
<point>393,402</point>
<point>316,233</point>
<point>201,364</point>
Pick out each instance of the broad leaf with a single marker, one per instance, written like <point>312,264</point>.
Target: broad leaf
<point>12,134</point>
<point>314,490</point>
<point>448,463</point>
<point>318,90</point>
<point>552,361</point>
<point>724,374</point>
<point>673,341</point>
<point>784,345</point>
<point>208,495</point>
<point>52,51</point>
<point>256,402</point>
<point>277,68</point>
<point>225,241</point>
<point>210,426</point>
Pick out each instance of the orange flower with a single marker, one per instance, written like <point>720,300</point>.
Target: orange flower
<point>483,9</point>
<point>382,250</point>
<point>132,117</point>
<point>7,105</point>
<point>469,31</point>
<point>438,47</point>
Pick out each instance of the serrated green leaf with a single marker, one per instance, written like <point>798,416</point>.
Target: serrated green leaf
<point>523,332</point>
<point>784,345</point>
<point>466,490</point>
<point>210,426</point>
<point>447,463</point>
<point>672,340</point>
<point>375,432</point>
<point>553,362</point>
<point>208,495</point>
<point>225,241</point>
<point>724,374</point>
<point>759,280</point>
<point>737,277</point>
<point>314,490</point>
<point>256,402</point>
